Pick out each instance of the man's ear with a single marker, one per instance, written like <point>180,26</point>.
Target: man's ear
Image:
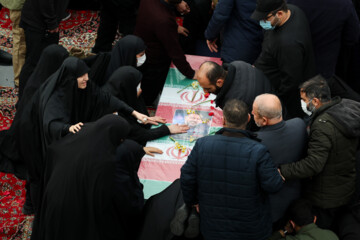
<point>249,117</point>
<point>279,14</point>
<point>315,218</point>
<point>266,120</point>
<point>224,121</point>
<point>316,101</point>
<point>292,224</point>
<point>220,82</point>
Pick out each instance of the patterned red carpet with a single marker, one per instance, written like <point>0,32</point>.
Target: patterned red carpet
<point>13,224</point>
<point>80,30</point>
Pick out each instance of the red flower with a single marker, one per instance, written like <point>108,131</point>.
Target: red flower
<point>211,114</point>
<point>206,95</point>
<point>212,101</point>
<point>212,108</point>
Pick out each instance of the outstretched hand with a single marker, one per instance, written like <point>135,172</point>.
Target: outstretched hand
<point>176,128</point>
<point>151,150</point>
<point>143,119</point>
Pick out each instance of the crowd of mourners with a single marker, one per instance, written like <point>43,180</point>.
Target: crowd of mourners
<point>285,165</point>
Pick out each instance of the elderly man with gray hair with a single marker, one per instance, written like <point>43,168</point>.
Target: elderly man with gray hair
<point>286,141</point>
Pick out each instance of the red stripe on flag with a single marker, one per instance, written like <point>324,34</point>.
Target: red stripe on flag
<point>159,171</point>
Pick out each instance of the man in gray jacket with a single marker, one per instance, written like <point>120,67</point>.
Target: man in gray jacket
<point>286,141</point>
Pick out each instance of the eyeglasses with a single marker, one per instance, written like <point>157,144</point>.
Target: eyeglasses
<point>271,14</point>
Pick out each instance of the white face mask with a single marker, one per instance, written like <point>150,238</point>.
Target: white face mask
<point>141,60</point>
<point>138,87</point>
<point>304,108</point>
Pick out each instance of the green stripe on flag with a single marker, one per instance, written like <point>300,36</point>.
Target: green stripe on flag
<point>175,79</point>
<point>152,187</point>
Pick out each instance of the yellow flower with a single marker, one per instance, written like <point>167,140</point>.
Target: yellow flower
<point>183,149</point>
<point>195,84</point>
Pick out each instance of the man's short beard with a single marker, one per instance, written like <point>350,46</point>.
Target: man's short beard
<point>218,89</point>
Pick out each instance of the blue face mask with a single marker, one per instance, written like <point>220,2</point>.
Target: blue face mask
<point>266,25</point>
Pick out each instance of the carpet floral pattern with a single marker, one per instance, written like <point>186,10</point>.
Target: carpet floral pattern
<point>80,30</point>
<point>13,224</point>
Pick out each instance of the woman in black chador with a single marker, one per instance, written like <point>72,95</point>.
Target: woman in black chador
<point>92,190</point>
<point>61,106</point>
<point>128,51</point>
<point>125,84</point>
<point>50,60</point>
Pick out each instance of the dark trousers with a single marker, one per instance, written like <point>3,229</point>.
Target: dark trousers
<point>112,18</point>
<point>36,41</point>
<point>154,77</point>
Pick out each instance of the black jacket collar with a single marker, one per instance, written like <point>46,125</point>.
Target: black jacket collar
<point>227,84</point>
<point>273,127</point>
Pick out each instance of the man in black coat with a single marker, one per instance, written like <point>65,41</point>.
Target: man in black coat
<point>236,80</point>
<point>286,141</point>
<point>287,56</point>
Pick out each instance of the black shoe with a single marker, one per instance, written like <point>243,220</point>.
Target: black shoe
<point>193,227</point>
<point>5,58</point>
<point>177,226</point>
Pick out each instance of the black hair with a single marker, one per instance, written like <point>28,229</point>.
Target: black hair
<point>215,72</point>
<point>236,113</point>
<point>300,212</point>
<point>316,87</point>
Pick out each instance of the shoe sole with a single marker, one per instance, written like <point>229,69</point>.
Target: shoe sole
<point>192,229</point>
<point>177,224</point>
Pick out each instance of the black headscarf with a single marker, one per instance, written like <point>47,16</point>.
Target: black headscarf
<point>123,85</point>
<point>98,64</point>
<point>63,104</point>
<point>50,60</point>
<point>124,53</point>
<point>91,188</point>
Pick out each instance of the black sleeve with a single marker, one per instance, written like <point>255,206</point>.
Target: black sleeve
<point>58,129</point>
<point>120,106</point>
<point>169,37</point>
<point>142,135</point>
<point>291,59</point>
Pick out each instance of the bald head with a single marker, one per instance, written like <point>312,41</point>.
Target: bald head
<point>267,110</point>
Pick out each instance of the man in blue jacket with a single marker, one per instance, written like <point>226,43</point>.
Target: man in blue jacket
<point>229,175</point>
<point>241,36</point>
